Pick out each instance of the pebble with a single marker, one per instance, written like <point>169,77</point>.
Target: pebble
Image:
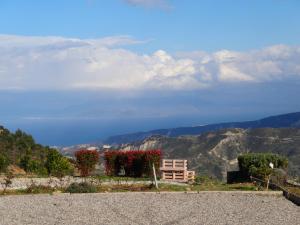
<point>148,208</point>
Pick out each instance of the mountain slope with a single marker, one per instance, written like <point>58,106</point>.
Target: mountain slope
<point>280,121</point>
<point>214,153</point>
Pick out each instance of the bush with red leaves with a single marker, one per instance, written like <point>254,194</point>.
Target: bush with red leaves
<point>133,163</point>
<point>86,161</point>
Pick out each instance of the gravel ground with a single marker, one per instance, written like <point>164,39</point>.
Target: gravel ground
<point>148,208</point>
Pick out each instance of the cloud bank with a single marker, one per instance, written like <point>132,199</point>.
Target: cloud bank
<point>58,63</point>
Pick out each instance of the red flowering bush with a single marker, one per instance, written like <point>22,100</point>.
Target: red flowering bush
<point>86,161</point>
<point>133,163</point>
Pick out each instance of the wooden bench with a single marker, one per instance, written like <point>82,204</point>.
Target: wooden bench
<point>176,170</point>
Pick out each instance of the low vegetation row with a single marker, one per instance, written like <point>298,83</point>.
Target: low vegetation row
<point>98,185</point>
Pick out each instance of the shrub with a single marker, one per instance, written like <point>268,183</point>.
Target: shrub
<point>32,166</point>
<point>37,168</point>
<point>6,182</point>
<point>134,163</point>
<point>83,187</point>
<point>57,165</point>
<point>86,161</point>
<point>204,179</point>
<point>4,162</point>
<point>38,189</point>
<point>257,164</point>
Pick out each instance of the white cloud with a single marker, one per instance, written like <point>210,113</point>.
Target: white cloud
<point>272,63</point>
<point>33,63</point>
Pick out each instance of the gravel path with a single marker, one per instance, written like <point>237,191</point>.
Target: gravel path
<point>148,208</point>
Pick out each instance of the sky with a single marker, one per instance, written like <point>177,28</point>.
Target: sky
<point>79,71</point>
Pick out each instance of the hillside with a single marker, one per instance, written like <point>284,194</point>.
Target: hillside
<point>20,149</point>
<point>214,153</point>
<point>280,121</point>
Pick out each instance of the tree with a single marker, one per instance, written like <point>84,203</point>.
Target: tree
<point>258,164</point>
<point>3,163</point>
<point>32,165</point>
<point>86,161</point>
<point>57,165</point>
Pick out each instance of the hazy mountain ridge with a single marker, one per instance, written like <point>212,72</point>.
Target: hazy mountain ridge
<point>284,120</point>
<point>214,153</point>
<point>213,149</point>
<point>70,150</point>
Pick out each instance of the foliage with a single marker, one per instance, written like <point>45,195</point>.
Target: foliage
<point>86,161</point>
<point>38,189</point>
<point>57,165</point>
<point>134,163</point>
<point>257,164</point>
<point>83,187</point>
<point>205,180</point>
<point>33,166</point>
<point>19,148</point>
<point>3,163</point>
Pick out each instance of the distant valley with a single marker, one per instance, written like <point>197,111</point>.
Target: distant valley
<point>213,149</point>
<point>214,153</point>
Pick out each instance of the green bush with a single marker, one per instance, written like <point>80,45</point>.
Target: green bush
<point>257,164</point>
<point>32,166</point>
<point>83,187</point>
<point>38,189</point>
<point>57,165</point>
<point>4,162</point>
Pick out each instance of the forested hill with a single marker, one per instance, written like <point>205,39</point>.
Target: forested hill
<point>21,150</point>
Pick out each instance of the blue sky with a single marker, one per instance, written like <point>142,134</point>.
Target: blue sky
<point>78,71</point>
<point>188,25</point>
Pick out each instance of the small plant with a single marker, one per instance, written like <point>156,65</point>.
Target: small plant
<point>83,187</point>
<point>204,180</point>
<point>38,189</point>
<point>3,163</point>
<point>7,181</point>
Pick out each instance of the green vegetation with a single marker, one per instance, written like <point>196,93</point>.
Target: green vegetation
<point>257,164</point>
<point>20,149</point>
<point>57,165</point>
<point>94,187</point>
<point>205,183</point>
<point>38,189</point>
<point>32,166</point>
<point>83,187</point>
<point>3,163</point>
